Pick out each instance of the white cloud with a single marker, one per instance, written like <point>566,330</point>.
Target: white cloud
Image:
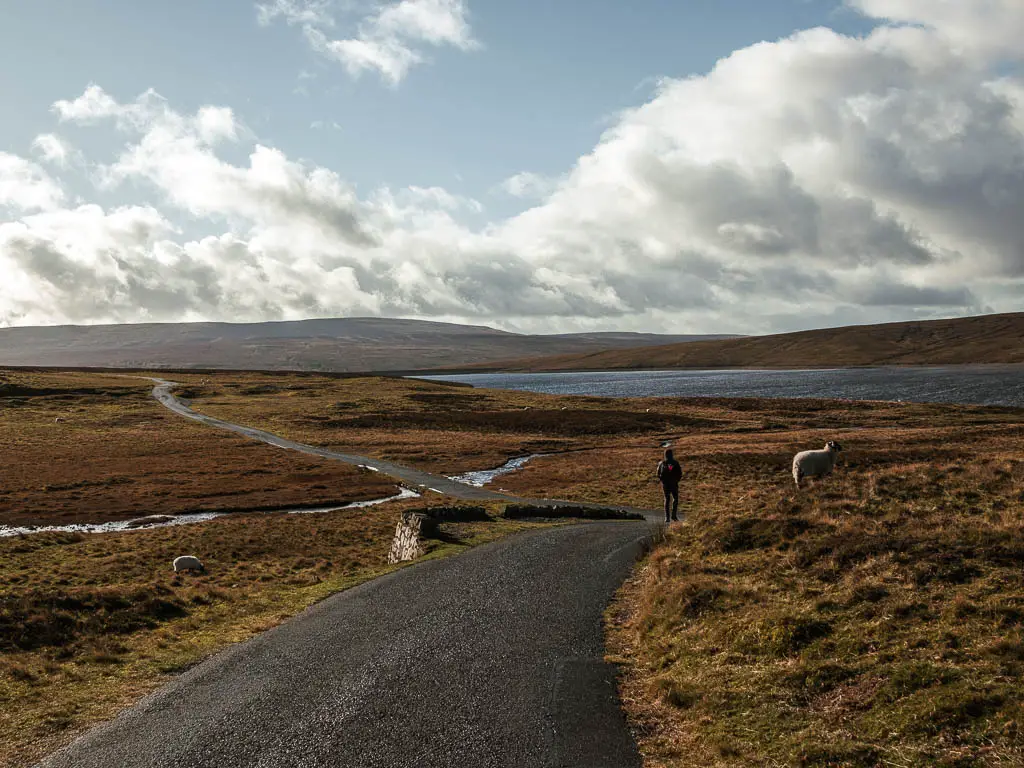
<point>26,186</point>
<point>437,22</point>
<point>84,264</point>
<point>94,104</point>
<point>315,12</point>
<point>210,125</point>
<point>215,124</point>
<point>817,180</point>
<point>528,185</point>
<point>53,149</point>
<point>389,56</point>
<point>390,41</point>
<point>431,198</point>
<point>798,172</point>
<point>975,26</point>
<point>176,155</point>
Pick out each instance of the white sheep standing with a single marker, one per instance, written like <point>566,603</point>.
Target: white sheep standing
<point>187,563</point>
<point>814,463</point>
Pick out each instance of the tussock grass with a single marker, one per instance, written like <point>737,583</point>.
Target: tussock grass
<point>875,619</point>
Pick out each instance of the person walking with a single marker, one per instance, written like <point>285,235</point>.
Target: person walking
<point>670,472</point>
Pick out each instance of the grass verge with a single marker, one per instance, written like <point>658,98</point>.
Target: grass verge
<point>876,619</point>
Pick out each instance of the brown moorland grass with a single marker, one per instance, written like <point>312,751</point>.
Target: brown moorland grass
<point>439,427</point>
<point>116,454</point>
<point>90,623</point>
<point>874,619</point>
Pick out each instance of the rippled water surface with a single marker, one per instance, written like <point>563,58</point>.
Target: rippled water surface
<point>977,385</point>
<point>481,478</point>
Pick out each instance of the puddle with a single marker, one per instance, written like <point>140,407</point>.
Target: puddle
<point>163,521</point>
<point>483,477</point>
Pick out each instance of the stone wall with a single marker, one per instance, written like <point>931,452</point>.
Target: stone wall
<point>555,510</point>
<point>417,525</point>
<point>459,514</point>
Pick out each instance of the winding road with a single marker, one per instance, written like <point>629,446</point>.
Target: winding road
<point>492,658</point>
<point>414,478</point>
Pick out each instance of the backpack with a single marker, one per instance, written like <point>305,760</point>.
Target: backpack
<point>670,472</point>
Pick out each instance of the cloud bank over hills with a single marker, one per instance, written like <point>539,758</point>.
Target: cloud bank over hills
<point>817,180</point>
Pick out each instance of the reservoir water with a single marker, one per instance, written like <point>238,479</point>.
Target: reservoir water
<point>969,385</point>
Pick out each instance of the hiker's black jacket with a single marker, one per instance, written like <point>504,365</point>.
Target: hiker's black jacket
<point>670,472</point>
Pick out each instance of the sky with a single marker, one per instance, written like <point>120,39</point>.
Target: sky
<point>736,166</point>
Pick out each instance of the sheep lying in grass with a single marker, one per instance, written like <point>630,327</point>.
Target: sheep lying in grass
<point>816,463</point>
<point>187,563</point>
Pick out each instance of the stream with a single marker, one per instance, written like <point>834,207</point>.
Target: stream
<point>483,477</point>
<point>476,479</point>
<point>163,521</point>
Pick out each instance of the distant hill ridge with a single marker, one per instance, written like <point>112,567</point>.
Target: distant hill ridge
<point>987,339</point>
<point>334,344</point>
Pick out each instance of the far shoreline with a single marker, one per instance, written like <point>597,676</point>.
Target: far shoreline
<point>976,385</point>
<point>431,373</point>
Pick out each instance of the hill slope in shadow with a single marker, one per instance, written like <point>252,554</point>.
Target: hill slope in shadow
<point>341,344</point>
<point>988,339</point>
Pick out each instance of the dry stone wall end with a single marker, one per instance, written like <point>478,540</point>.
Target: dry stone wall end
<point>408,544</point>
<point>416,525</point>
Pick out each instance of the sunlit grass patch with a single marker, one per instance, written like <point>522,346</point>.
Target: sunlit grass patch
<point>874,619</point>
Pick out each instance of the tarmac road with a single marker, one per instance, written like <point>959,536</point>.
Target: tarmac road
<point>491,658</point>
